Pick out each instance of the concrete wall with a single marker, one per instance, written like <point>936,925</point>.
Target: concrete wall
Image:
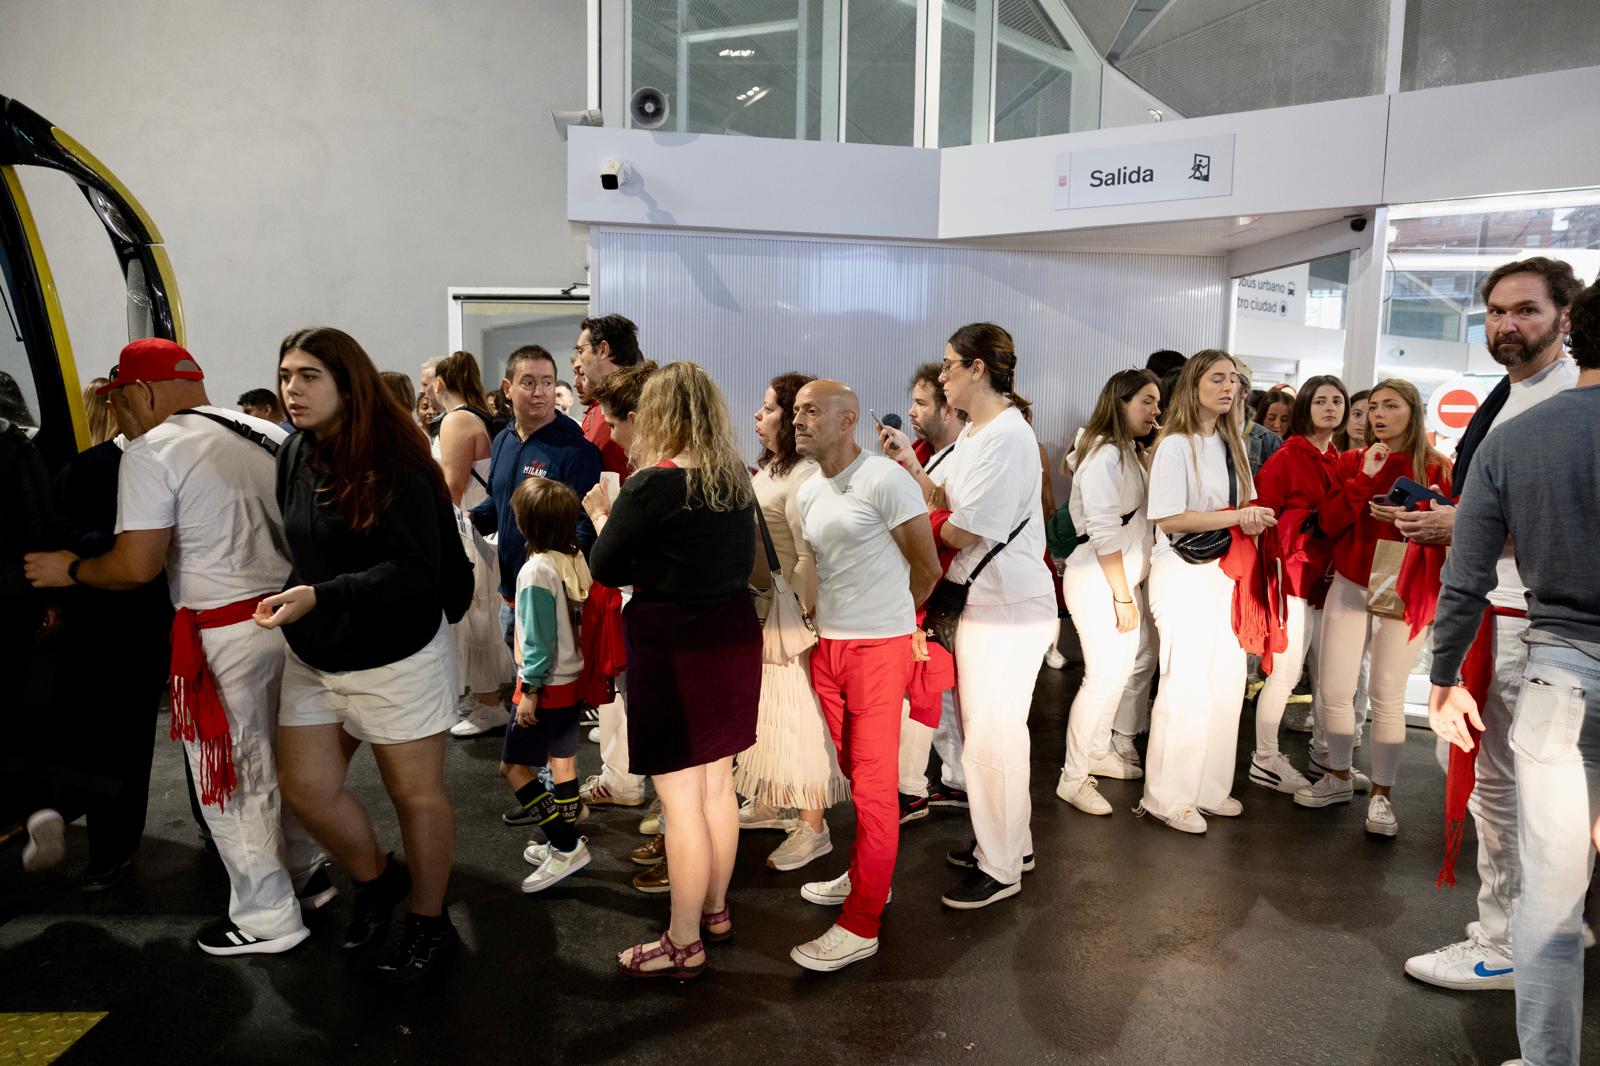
<point>308,163</point>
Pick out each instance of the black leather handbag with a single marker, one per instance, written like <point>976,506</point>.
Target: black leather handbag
<point>1211,544</point>
<point>949,599</point>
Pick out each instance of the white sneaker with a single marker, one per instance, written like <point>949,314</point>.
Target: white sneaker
<point>466,703</point>
<point>1054,660</point>
<point>1276,772</point>
<point>1111,764</point>
<point>594,735</point>
<point>595,793</point>
<point>650,824</point>
<point>1468,966</point>
<point>831,893</point>
<point>1123,745</point>
<point>1228,808</point>
<point>1187,820</point>
<point>480,720</point>
<point>1316,767</point>
<point>1327,791</point>
<point>1380,817</point>
<point>1084,795</point>
<point>801,846</point>
<point>556,866</point>
<point>536,852</point>
<point>47,843</point>
<point>753,815</point>
<point>834,950</point>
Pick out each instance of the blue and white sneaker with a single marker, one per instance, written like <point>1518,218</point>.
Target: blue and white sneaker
<point>1468,966</point>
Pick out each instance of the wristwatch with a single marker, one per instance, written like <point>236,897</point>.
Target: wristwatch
<point>72,570</point>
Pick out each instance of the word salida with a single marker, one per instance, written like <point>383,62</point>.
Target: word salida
<point>1121,176</point>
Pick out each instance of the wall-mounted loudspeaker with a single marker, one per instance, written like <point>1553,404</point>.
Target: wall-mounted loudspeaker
<point>648,109</point>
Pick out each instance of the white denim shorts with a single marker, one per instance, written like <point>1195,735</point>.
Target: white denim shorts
<point>391,704</point>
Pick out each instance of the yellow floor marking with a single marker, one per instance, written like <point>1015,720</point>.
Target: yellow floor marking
<point>37,1039</point>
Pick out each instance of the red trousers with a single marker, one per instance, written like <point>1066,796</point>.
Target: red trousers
<point>861,685</point>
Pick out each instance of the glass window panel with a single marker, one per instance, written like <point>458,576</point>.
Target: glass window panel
<point>492,328</point>
<point>957,62</point>
<point>881,75</point>
<point>1033,83</point>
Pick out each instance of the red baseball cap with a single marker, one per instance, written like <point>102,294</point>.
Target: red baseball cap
<point>152,359</point>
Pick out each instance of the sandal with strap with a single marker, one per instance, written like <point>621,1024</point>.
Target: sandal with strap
<point>643,953</point>
<point>721,917</point>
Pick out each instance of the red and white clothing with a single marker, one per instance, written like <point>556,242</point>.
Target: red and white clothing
<point>861,665</point>
<point>216,491</point>
<point>1010,621</point>
<point>1293,482</point>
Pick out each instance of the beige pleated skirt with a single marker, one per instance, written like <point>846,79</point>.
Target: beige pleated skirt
<point>793,762</point>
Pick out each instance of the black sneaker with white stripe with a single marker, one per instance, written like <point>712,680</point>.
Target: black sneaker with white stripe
<point>423,946</point>
<point>968,859</point>
<point>225,938</point>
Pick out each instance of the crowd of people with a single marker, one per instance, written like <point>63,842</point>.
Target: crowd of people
<point>350,561</point>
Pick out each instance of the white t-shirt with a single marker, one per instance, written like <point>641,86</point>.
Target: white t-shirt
<point>993,486</point>
<point>217,492</point>
<point>863,579</point>
<point>1557,377</point>
<point>1178,484</point>
<point>1104,489</point>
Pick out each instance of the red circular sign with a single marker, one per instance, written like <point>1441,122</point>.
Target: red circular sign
<point>1457,407</point>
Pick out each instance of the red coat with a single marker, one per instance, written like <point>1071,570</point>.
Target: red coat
<point>595,430</point>
<point>1344,516</point>
<point>1294,482</point>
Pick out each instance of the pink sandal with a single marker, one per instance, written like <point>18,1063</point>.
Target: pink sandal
<point>643,953</point>
<point>721,917</point>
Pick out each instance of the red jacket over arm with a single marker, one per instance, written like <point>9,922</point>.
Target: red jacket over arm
<point>1293,482</point>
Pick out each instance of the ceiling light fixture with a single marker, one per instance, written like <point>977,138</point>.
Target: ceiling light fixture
<point>737,53</point>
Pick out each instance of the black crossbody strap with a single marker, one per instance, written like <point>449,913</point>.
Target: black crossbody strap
<point>243,430</point>
<point>1233,476</point>
<point>996,550</point>
<point>766,539</point>
<point>1083,538</point>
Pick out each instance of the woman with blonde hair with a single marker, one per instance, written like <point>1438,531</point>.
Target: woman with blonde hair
<point>1199,480</point>
<point>1103,578</point>
<point>102,426</point>
<point>682,533</point>
<point>1356,515</point>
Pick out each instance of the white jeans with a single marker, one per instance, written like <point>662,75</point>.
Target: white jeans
<point>1302,624</point>
<point>916,740</point>
<point>1109,659</point>
<point>1347,631</point>
<point>1556,741</point>
<point>1319,726</point>
<point>1194,728</point>
<point>1133,712</point>
<point>262,846</point>
<point>614,747</point>
<point>999,653</point>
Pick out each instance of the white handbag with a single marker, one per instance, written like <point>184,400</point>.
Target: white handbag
<point>787,633</point>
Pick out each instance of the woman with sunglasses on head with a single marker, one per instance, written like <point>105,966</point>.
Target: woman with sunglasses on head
<point>1103,578</point>
<point>1357,515</point>
<point>370,654</point>
<point>1293,483</point>
<point>1199,480</point>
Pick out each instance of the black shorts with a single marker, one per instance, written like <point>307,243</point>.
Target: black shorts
<point>553,735</point>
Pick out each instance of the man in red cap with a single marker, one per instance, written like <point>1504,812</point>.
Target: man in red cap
<point>196,495</point>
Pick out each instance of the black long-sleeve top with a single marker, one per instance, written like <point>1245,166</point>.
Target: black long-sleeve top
<point>377,591</point>
<point>669,548</point>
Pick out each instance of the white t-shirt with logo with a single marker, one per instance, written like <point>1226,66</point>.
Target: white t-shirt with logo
<point>992,487</point>
<point>863,579</point>
<point>217,492</point>
<point>1559,376</point>
<point>1178,483</point>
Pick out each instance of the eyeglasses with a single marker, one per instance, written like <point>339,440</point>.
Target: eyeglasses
<point>577,349</point>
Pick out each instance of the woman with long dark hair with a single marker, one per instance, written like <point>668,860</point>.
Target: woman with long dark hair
<point>1103,578</point>
<point>1354,516</point>
<point>1293,483</point>
<point>462,452</point>
<point>1010,616</point>
<point>370,656</point>
<point>1198,476</point>
<point>792,764</point>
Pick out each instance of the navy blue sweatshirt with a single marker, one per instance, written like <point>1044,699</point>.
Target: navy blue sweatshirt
<point>556,450</point>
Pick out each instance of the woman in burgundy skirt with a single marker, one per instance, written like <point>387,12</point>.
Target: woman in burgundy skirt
<point>682,533</point>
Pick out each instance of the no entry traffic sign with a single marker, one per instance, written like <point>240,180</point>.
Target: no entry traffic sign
<point>1453,404</point>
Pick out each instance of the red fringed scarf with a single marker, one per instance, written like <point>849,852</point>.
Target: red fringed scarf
<point>1477,673</point>
<point>929,680</point>
<point>1259,609</point>
<point>197,713</point>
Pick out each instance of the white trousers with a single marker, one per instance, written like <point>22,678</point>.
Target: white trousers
<point>614,746</point>
<point>1347,632</point>
<point>1302,624</point>
<point>1319,725</point>
<point>1194,727</point>
<point>1109,659</point>
<point>1133,713</point>
<point>917,740</point>
<point>999,653</point>
<point>262,846</point>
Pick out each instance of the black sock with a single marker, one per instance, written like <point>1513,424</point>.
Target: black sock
<point>431,922</point>
<point>562,830</point>
<point>385,874</point>
<point>530,794</point>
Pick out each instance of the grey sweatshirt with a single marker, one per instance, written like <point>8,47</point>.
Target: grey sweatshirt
<point>1537,480</point>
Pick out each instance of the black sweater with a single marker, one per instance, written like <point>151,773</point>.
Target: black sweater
<point>668,549</point>
<point>378,591</point>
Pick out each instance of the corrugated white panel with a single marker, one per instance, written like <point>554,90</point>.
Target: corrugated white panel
<point>867,314</point>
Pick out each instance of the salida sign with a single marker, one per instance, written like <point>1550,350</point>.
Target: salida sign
<point>1145,173</point>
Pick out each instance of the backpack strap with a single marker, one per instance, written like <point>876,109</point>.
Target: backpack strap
<point>240,428</point>
<point>972,576</point>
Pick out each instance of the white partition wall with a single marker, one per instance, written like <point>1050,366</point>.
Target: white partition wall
<point>750,308</point>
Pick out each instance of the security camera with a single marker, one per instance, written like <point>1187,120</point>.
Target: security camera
<point>614,174</point>
<point>1358,224</point>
